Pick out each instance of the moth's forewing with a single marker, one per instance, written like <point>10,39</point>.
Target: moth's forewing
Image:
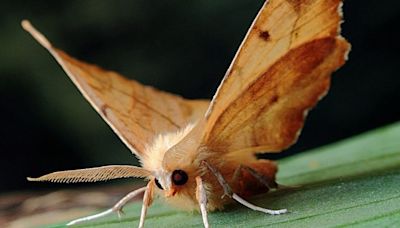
<point>270,113</point>
<point>135,112</point>
<point>280,71</point>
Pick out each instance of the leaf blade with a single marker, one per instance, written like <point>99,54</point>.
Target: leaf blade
<point>355,182</point>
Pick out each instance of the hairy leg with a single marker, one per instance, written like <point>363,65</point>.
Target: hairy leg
<point>228,192</point>
<point>202,199</point>
<point>116,208</point>
<point>147,200</point>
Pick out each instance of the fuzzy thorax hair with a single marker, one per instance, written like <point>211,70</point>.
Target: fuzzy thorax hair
<point>153,156</point>
<point>152,160</point>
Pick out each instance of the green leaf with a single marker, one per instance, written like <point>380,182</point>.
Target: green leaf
<point>353,182</point>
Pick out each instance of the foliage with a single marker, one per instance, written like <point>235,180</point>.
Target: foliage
<point>353,182</point>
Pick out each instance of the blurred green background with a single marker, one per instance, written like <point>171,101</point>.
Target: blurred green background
<point>183,47</point>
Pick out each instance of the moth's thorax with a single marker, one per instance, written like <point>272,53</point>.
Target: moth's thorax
<point>153,156</point>
<point>154,160</point>
<point>184,196</point>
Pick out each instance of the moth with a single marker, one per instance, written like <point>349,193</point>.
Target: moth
<point>200,154</point>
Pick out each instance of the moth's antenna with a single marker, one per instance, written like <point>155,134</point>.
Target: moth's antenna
<point>101,173</point>
<point>36,34</point>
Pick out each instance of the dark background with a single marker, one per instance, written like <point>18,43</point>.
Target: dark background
<point>183,47</point>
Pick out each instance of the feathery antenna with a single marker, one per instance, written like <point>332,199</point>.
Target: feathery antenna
<point>102,173</point>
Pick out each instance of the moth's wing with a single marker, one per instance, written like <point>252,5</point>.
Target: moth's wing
<point>281,70</point>
<point>135,112</point>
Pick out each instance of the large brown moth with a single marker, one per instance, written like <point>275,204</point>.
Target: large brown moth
<point>195,151</point>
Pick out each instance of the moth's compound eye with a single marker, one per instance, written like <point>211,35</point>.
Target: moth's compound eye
<point>158,184</point>
<point>179,177</point>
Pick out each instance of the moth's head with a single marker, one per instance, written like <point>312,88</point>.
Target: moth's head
<point>173,182</point>
<point>175,176</point>
<point>169,161</point>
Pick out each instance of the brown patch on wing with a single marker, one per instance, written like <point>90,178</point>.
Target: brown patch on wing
<point>269,114</point>
<point>103,109</point>
<point>274,99</point>
<point>266,79</point>
<point>264,35</point>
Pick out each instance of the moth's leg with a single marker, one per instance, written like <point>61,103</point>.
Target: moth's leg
<point>147,200</point>
<point>257,208</point>
<point>202,199</point>
<point>237,174</point>
<point>116,208</point>
<point>228,191</point>
<point>261,178</point>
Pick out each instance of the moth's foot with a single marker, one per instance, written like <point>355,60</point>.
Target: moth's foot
<point>274,212</point>
<point>120,212</point>
<point>257,208</point>
<point>117,208</point>
<point>201,196</point>
<point>285,187</point>
<point>90,217</point>
<point>226,194</point>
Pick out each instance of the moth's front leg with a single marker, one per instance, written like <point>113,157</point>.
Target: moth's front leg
<point>202,199</point>
<point>228,191</point>
<point>116,208</point>
<point>147,201</point>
